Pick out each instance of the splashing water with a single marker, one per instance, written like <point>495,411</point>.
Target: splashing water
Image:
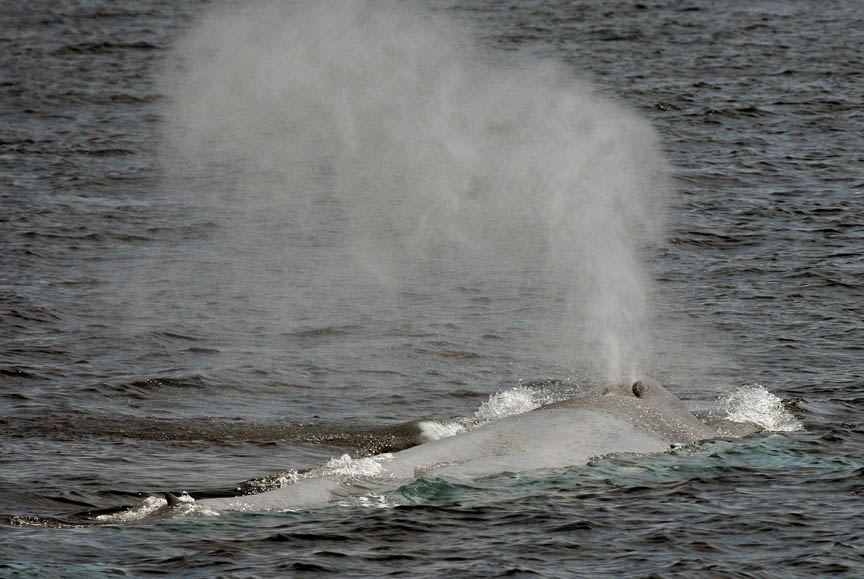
<point>345,466</point>
<point>147,507</point>
<point>507,403</point>
<point>499,405</point>
<point>435,429</point>
<point>394,141</point>
<point>754,403</point>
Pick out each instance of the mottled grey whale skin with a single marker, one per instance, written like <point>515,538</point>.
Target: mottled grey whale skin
<point>622,418</point>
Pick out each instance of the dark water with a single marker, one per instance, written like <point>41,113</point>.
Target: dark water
<point>143,349</point>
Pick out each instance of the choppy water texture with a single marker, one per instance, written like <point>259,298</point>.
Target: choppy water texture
<point>147,344</point>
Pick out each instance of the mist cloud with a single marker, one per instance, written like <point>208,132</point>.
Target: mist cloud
<point>386,137</point>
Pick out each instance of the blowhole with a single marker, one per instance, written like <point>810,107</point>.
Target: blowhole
<point>638,389</point>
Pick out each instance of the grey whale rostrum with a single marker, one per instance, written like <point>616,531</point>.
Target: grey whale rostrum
<point>633,417</point>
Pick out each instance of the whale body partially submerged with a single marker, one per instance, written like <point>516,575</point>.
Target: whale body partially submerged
<point>633,417</point>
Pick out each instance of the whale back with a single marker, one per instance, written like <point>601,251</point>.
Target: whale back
<point>637,417</point>
<point>649,407</point>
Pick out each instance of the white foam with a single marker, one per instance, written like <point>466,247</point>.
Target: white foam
<point>344,465</point>
<point>289,478</point>
<point>368,501</point>
<point>434,430</point>
<point>146,508</point>
<point>152,504</point>
<point>754,403</point>
<point>507,403</point>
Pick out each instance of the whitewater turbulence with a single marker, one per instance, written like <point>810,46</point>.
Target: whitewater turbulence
<point>388,135</point>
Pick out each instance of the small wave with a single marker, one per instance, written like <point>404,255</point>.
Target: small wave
<point>500,405</point>
<point>315,332</point>
<point>151,505</point>
<point>369,501</point>
<point>754,403</point>
<point>17,372</point>
<point>517,400</point>
<point>148,507</point>
<point>508,403</point>
<point>105,47</point>
<point>434,429</point>
<point>156,384</point>
<point>268,483</point>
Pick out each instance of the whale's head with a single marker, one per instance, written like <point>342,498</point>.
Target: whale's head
<point>647,405</point>
<point>646,394</point>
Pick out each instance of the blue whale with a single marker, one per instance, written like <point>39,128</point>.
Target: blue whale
<point>637,417</point>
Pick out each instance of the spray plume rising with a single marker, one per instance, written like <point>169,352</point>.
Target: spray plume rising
<point>387,138</point>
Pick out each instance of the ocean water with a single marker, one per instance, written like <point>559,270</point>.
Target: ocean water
<point>237,243</point>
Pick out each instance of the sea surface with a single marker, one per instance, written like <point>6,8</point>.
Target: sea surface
<point>172,320</point>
